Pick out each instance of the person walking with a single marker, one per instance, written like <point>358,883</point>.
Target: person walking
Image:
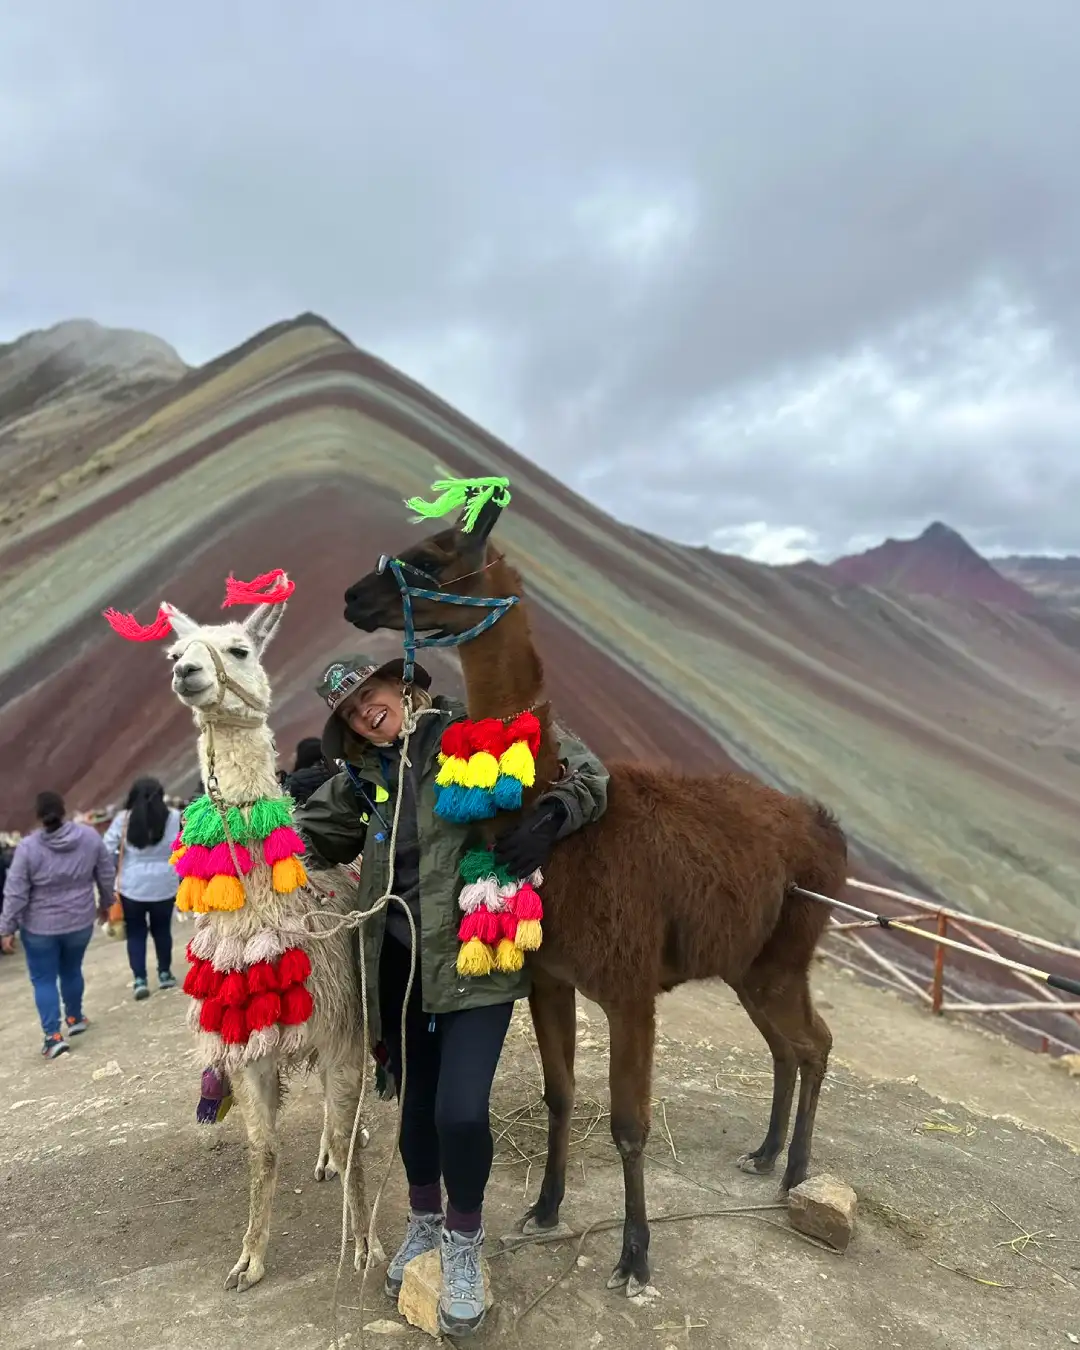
<point>49,897</point>
<point>140,838</point>
<point>454,1028</point>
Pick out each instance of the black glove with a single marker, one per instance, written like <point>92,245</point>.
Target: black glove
<point>301,784</point>
<point>528,845</point>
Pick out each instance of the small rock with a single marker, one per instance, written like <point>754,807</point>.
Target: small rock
<point>111,1070</point>
<point>385,1327</point>
<point>1069,1064</point>
<point>824,1207</point>
<point>418,1301</point>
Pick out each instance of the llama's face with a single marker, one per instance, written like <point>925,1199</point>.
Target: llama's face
<point>450,561</point>
<point>202,655</point>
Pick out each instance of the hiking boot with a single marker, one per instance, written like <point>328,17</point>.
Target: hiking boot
<point>76,1025</point>
<point>54,1046</point>
<point>166,979</point>
<point>462,1305</point>
<point>422,1235</point>
<point>142,990</point>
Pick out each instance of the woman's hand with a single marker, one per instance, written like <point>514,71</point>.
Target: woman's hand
<point>528,845</point>
<point>7,944</point>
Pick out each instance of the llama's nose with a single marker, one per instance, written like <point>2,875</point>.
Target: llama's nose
<point>185,669</point>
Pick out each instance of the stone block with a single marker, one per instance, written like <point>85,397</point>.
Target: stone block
<point>824,1207</point>
<point>421,1284</point>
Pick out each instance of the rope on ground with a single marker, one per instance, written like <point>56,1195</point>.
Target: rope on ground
<point>753,1212</point>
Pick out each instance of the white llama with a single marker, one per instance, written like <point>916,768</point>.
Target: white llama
<point>268,997</point>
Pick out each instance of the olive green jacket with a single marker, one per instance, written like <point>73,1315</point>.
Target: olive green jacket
<point>337,825</point>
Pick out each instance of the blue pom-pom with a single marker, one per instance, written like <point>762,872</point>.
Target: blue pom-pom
<point>507,793</point>
<point>463,805</point>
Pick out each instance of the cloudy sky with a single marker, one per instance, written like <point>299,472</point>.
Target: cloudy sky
<point>782,277</point>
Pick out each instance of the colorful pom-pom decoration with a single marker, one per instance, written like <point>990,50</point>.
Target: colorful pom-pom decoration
<point>250,1007</point>
<point>484,767</point>
<point>217,847</point>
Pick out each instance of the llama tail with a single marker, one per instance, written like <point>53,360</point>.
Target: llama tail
<point>826,866</point>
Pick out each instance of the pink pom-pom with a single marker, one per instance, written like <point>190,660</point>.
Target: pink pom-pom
<point>221,860</point>
<point>195,862</point>
<point>281,843</point>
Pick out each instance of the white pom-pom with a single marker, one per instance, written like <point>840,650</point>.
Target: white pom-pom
<point>264,946</point>
<point>204,939</point>
<point>476,893</point>
<point>229,954</point>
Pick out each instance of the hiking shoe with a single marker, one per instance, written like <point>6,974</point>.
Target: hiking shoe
<point>54,1046</point>
<point>76,1025</point>
<point>142,990</point>
<point>422,1235</point>
<point>166,979</point>
<point>462,1305</point>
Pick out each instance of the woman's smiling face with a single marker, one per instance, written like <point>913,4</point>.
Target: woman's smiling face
<point>375,711</point>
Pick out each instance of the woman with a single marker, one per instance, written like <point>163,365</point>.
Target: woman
<point>140,838</point>
<point>310,770</point>
<point>454,1028</point>
<point>49,897</point>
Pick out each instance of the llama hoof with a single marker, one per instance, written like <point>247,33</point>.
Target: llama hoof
<point>530,1231</point>
<point>248,1271</point>
<point>618,1278</point>
<point>360,1256</point>
<point>325,1169</point>
<point>755,1165</point>
<point>641,1290</point>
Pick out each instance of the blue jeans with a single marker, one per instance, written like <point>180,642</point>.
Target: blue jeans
<point>56,959</point>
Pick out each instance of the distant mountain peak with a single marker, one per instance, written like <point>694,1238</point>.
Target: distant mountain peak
<point>940,562</point>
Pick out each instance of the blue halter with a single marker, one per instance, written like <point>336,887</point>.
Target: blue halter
<point>497,605</point>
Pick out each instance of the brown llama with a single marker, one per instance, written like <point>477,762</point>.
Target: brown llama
<point>682,878</point>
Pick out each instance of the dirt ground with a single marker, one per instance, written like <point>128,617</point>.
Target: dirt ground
<point>121,1217</point>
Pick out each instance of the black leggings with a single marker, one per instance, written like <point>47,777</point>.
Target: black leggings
<point>445,1130</point>
<point>137,915</point>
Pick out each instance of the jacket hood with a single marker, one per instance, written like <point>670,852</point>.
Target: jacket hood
<point>62,840</point>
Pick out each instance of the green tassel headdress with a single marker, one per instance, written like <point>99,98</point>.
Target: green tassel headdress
<point>470,495</point>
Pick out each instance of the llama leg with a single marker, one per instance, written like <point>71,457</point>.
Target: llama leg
<point>258,1093</point>
<point>553,1008</point>
<point>762,1160</point>
<point>632,1037</point>
<point>342,1099</point>
<point>325,1168</point>
<point>789,1007</point>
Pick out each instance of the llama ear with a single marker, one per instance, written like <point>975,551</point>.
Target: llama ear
<point>474,541</point>
<point>182,626</point>
<point>262,623</point>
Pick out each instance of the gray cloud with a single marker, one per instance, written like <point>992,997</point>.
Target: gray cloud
<point>816,261</point>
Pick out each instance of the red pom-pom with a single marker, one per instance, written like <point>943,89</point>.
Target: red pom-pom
<point>488,733</point>
<point>208,981</point>
<point>261,979</point>
<point>234,992</point>
<point>296,1006</point>
<point>263,1011</point>
<point>525,727</point>
<point>527,903</point>
<point>482,924</point>
<point>191,979</point>
<point>293,967</point>
<point>211,1014</point>
<point>455,740</point>
<point>508,924</point>
<point>192,958</point>
<point>234,1029</point>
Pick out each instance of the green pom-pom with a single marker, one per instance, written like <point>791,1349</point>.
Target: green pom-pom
<point>268,814</point>
<point>477,863</point>
<point>469,494</point>
<point>202,824</point>
<point>238,826</point>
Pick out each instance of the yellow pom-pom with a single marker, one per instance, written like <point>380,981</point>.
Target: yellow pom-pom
<point>190,895</point>
<point>289,875</point>
<point>517,762</point>
<point>508,958</point>
<point>175,857</point>
<point>481,770</point>
<point>475,958</point>
<point>222,892</point>
<point>528,935</point>
<point>453,771</point>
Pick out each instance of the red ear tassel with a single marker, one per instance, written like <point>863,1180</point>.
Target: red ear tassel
<point>129,627</point>
<point>272,588</point>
